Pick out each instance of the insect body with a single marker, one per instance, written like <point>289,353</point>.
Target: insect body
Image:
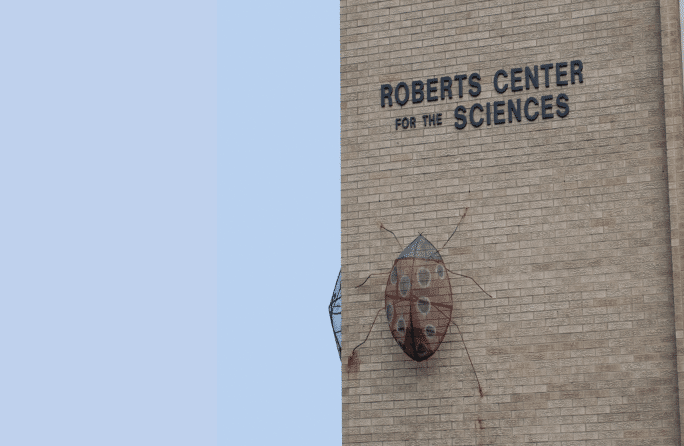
<point>418,299</point>
<point>418,302</point>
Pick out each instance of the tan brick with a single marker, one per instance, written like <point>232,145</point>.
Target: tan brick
<point>573,224</point>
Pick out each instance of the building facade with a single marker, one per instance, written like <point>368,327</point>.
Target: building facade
<point>550,133</point>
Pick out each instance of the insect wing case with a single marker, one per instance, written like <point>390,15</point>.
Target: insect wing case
<point>418,302</point>
<point>335,311</point>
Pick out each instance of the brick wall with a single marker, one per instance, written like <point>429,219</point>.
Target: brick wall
<point>568,224</point>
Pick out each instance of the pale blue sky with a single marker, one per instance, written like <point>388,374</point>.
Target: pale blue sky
<point>108,192</point>
<point>170,235</point>
<point>279,222</point>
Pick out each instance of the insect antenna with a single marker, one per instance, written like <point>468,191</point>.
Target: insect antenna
<point>459,223</point>
<point>395,237</point>
<point>375,274</point>
<point>471,361</point>
<point>468,277</point>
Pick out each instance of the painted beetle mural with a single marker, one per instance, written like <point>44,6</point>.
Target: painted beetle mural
<point>418,299</point>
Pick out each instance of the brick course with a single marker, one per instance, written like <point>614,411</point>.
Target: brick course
<point>573,224</point>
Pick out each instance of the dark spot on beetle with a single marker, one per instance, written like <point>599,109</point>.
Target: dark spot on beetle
<point>423,277</point>
<point>404,285</point>
<point>430,331</point>
<point>424,305</point>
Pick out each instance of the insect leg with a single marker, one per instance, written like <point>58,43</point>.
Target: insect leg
<point>352,358</point>
<point>459,223</point>
<point>369,332</point>
<point>371,275</point>
<point>468,277</point>
<point>471,361</point>
<point>466,349</point>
